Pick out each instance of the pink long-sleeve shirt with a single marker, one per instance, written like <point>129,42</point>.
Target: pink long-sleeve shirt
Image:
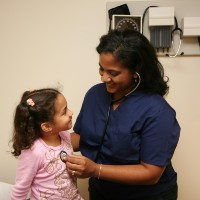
<point>41,171</point>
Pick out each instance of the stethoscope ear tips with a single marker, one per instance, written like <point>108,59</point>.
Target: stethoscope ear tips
<point>63,155</point>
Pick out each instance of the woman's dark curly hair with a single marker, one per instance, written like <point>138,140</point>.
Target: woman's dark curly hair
<point>135,52</point>
<point>27,118</point>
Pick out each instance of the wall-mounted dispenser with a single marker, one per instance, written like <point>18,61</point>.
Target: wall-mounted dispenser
<point>191,26</point>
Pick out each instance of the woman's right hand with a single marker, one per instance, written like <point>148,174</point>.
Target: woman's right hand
<point>82,167</point>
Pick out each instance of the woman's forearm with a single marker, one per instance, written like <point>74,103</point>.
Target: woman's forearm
<point>75,139</point>
<point>139,174</point>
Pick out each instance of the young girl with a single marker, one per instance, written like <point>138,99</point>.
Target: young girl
<point>39,141</point>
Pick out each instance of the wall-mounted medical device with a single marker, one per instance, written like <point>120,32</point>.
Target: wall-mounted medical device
<point>191,26</point>
<point>173,27</point>
<point>121,22</point>
<point>161,16</point>
<point>161,21</point>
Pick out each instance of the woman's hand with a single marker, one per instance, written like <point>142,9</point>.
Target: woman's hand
<point>143,174</point>
<point>82,167</point>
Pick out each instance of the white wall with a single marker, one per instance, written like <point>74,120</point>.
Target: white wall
<point>47,42</point>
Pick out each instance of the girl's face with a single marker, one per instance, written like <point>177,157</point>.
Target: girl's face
<point>63,116</point>
<point>118,79</point>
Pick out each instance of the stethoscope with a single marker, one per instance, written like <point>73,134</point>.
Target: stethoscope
<point>63,154</point>
<point>176,29</point>
<point>109,112</point>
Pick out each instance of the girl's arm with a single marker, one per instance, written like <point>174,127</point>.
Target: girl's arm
<point>26,170</point>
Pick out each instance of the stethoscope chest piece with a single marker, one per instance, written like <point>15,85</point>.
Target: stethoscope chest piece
<point>63,155</point>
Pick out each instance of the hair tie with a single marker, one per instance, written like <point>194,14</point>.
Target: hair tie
<point>30,102</point>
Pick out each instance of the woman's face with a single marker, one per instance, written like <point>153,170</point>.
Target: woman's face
<point>118,79</point>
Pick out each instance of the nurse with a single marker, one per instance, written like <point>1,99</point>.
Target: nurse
<point>126,130</point>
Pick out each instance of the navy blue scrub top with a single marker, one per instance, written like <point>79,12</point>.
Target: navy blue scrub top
<point>143,128</point>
